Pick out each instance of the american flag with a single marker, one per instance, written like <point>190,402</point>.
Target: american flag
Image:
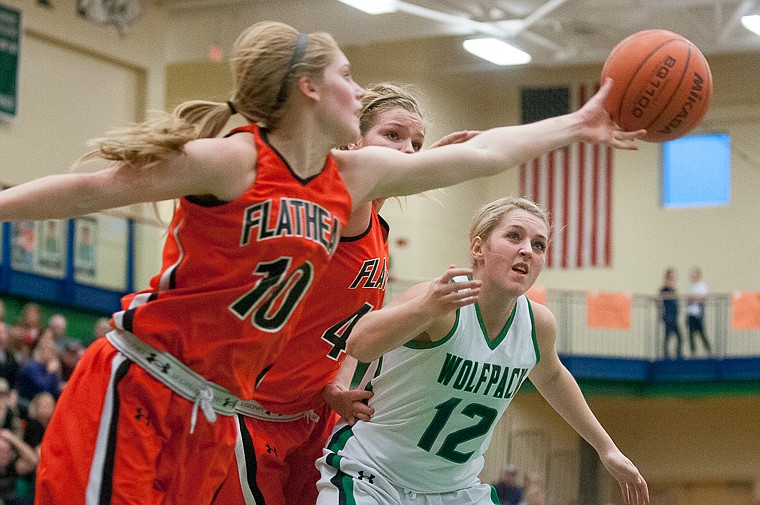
<point>573,184</point>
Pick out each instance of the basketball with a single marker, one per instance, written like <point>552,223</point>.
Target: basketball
<point>661,82</point>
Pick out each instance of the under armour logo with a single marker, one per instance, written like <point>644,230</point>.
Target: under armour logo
<point>271,449</point>
<point>139,416</point>
<point>371,477</point>
<point>153,357</point>
<point>228,402</point>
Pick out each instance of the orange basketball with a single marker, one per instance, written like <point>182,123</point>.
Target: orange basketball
<point>661,82</point>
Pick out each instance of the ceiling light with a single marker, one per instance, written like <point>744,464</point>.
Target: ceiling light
<point>496,51</point>
<point>752,23</point>
<point>372,6</point>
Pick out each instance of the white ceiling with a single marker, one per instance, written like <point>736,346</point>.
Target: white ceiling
<point>554,32</point>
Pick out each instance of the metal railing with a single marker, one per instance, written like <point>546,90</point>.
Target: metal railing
<point>644,338</point>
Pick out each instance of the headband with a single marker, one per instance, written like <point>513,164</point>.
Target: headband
<point>387,98</point>
<point>300,50</point>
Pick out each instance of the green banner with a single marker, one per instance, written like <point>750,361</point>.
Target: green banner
<point>10,36</point>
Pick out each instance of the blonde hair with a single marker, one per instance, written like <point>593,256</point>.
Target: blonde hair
<point>382,97</point>
<point>264,71</point>
<point>490,215</point>
<point>385,96</point>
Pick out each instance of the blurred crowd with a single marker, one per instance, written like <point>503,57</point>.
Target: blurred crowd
<point>510,491</point>
<point>36,360</point>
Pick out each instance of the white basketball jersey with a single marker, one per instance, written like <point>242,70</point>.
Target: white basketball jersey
<point>436,405</point>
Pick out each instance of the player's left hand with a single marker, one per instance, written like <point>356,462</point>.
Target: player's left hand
<point>349,404</point>
<point>632,484</point>
<point>598,125</point>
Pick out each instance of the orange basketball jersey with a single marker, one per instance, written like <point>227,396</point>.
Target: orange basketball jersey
<point>235,273</point>
<point>353,285</point>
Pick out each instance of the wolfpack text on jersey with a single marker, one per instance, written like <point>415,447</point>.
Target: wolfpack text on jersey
<point>460,386</point>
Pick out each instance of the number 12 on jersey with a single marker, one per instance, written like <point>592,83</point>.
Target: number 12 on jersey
<point>444,411</point>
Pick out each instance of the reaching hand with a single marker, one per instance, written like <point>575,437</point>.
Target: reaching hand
<point>444,296</point>
<point>348,404</point>
<point>455,138</point>
<point>599,124</point>
<point>632,484</point>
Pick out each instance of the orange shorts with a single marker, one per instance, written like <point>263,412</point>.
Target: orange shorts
<point>119,436</point>
<point>277,460</point>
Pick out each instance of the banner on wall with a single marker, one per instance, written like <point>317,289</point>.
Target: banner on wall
<point>39,247</point>
<point>85,238</point>
<point>51,247</point>
<point>10,40</point>
<point>745,310</point>
<point>24,234</point>
<point>610,311</point>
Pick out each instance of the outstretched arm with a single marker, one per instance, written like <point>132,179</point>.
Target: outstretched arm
<point>219,167</point>
<point>375,172</point>
<point>416,314</point>
<point>558,387</point>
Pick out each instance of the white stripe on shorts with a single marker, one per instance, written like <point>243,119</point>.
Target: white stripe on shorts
<point>95,482</point>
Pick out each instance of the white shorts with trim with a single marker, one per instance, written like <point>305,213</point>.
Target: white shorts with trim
<point>343,480</point>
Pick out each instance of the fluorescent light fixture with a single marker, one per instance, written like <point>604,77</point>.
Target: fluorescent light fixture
<point>496,51</point>
<point>372,6</point>
<point>752,23</point>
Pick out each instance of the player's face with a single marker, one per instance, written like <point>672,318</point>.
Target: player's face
<point>515,252</point>
<point>340,99</point>
<point>396,128</point>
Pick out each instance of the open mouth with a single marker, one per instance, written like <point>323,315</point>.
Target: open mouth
<point>520,269</point>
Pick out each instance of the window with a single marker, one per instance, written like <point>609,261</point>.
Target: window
<point>696,171</point>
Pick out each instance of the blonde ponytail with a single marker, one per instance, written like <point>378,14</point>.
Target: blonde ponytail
<point>158,138</point>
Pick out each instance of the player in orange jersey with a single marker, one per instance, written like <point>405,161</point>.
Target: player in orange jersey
<point>259,216</point>
<point>280,442</point>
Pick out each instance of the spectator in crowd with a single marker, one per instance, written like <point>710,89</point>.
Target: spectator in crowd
<point>70,356</point>
<point>507,488</point>
<point>26,331</point>
<point>40,411</point>
<point>695,310</point>
<point>69,349</point>
<point>41,372</point>
<point>9,418</point>
<point>668,306</point>
<point>102,326</point>
<point>57,324</point>
<point>2,312</point>
<point>8,363</point>
<point>16,458</point>
<point>534,491</point>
